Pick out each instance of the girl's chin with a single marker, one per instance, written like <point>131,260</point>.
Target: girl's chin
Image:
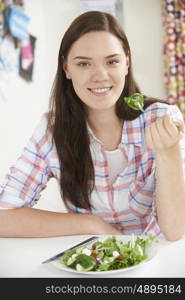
<point>101,107</point>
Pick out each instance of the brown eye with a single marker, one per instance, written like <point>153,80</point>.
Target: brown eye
<point>83,64</point>
<point>113,62</point>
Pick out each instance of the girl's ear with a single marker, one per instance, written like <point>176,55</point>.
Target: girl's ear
<point>127,61</point>
<point>127,64</point>
<point>65,68</point>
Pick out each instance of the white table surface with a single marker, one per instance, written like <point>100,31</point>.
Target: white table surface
<point>22,257</point>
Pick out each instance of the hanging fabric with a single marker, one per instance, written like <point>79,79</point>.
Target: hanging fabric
<point>27,58</point>
<point>18,24</point>
<point>174,51</point>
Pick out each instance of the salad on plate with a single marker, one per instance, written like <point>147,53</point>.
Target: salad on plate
<point>109,254</point>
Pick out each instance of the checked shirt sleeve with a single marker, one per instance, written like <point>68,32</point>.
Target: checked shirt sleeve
<point>30,173</point>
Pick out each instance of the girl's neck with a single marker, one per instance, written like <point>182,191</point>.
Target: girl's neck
<point>107,127</point>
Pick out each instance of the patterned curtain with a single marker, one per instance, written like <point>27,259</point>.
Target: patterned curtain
<point>173,12</point>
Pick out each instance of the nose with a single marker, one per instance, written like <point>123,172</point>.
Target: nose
<point>99,73</point>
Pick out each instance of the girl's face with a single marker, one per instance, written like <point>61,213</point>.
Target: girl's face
<point>97,66</point>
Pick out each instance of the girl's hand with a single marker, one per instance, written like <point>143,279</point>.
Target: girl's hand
<point>164,133</point>
<point>100,226</point>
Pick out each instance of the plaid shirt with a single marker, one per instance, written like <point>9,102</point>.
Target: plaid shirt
<point>128,203</point>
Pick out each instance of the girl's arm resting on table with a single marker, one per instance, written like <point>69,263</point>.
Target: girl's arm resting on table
<point>31,222</point>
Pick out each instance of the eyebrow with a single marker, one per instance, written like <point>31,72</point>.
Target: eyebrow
<point>85,57</point>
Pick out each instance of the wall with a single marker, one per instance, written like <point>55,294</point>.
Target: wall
<point>26,102</point>
<point>143,26</point>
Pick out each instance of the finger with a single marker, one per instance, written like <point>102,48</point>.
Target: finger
<point>148,138</point>
<point>161,128</point>
<point>164,130</point>
<point>180,125</point>
<point>170,126</point>
<point>156,138</point>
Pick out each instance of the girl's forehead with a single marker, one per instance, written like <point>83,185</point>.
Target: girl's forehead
<point>97,42</point>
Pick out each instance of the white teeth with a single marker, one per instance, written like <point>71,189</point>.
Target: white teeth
<point>101,90</point>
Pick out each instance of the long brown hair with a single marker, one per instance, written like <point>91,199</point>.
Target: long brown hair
<point>68,115</point>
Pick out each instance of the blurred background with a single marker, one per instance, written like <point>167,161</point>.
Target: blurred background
<point>28,60</point>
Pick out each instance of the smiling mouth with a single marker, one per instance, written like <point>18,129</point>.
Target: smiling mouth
<point>100,91</point>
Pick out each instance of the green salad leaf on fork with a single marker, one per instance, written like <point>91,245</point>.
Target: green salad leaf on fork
<point>135,101</point>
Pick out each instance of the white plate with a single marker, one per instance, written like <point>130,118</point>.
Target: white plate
<point>124,238</point>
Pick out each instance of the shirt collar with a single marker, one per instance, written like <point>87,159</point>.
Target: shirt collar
<point>92,136</point>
